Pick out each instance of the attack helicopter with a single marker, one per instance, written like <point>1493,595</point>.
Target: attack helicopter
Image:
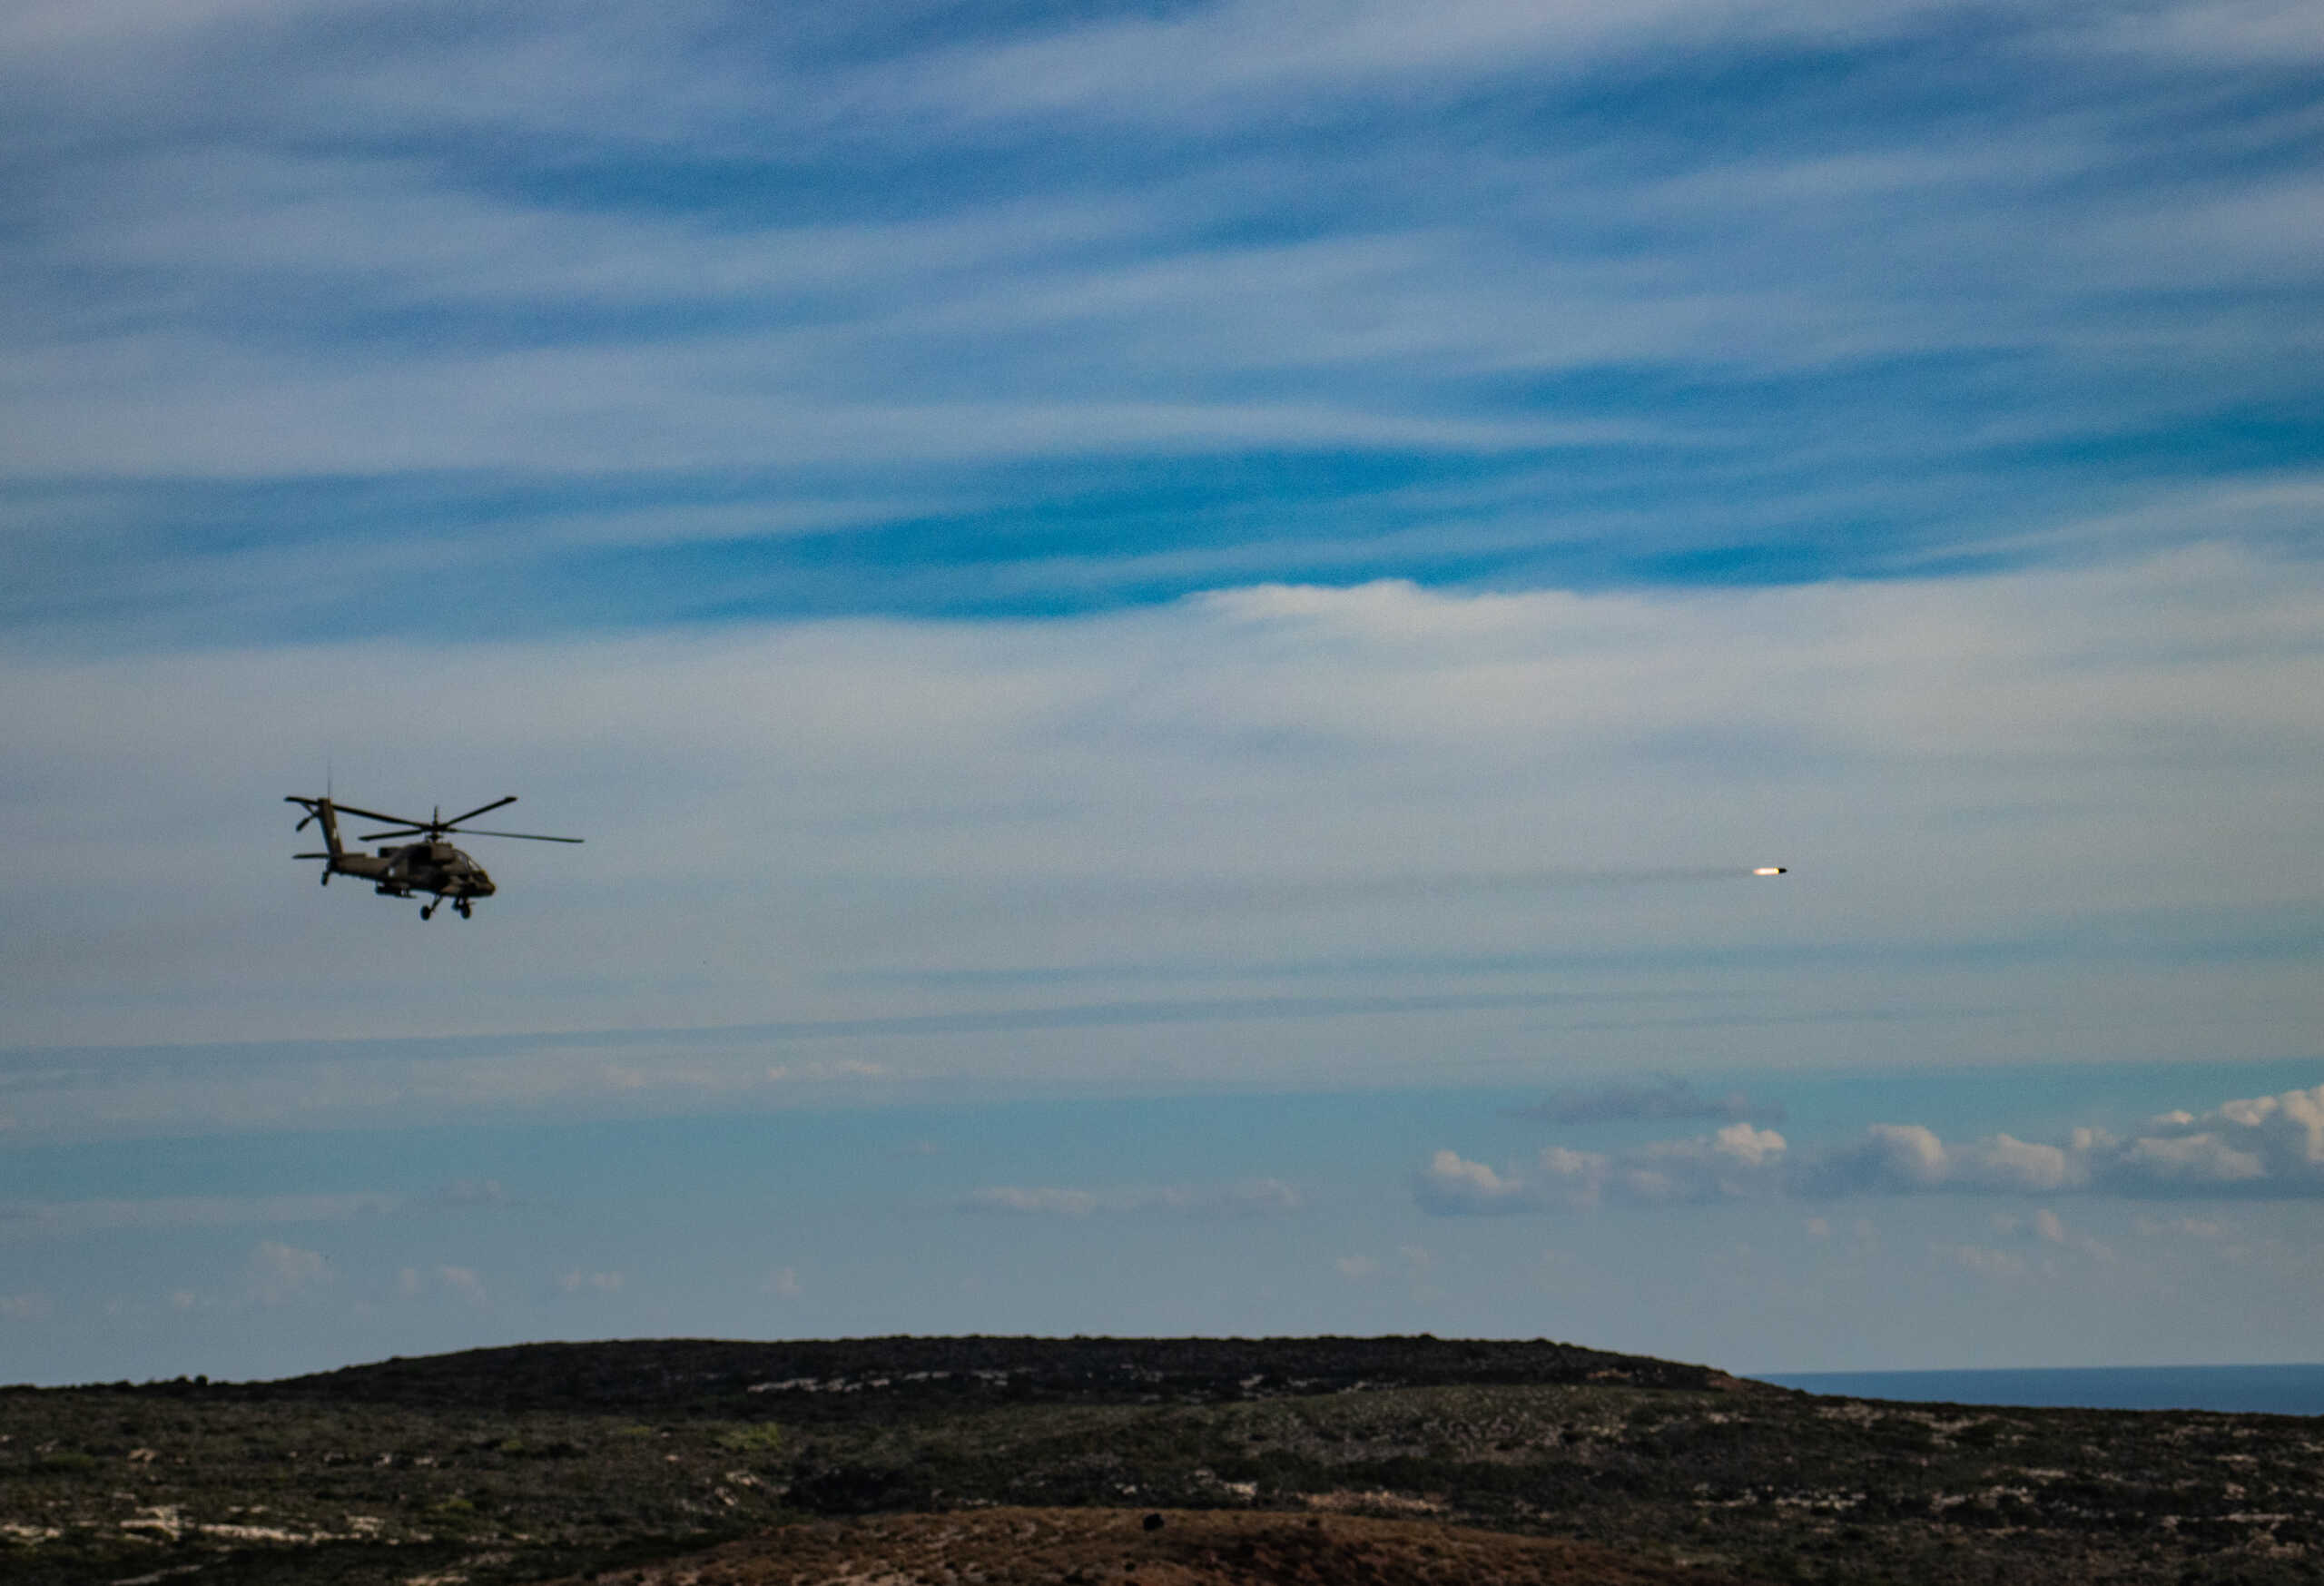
<point>430,865</point>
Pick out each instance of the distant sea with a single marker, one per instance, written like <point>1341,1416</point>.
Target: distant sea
<point>2273,1390</point>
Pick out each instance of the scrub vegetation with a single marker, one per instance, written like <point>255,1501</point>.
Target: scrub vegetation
<point>1386,1459</point>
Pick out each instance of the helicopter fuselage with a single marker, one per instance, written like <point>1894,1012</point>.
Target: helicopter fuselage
<point>417,867</point>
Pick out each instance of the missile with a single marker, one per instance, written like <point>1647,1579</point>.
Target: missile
<point>1771,869</point>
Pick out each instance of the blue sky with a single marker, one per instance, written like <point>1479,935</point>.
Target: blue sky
<point>1172,626</point>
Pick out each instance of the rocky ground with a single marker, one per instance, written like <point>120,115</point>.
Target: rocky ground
<point>1081,1547</point>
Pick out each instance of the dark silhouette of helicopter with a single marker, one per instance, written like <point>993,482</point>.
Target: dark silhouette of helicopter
<point>430,865</point>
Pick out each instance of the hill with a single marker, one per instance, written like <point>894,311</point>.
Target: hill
<point>847,1380</point>
<point>699,1459</point>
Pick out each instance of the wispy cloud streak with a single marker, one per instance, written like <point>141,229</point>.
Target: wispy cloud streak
<point>652,318</point>
<point>1672,1098</point>
<point>1252,1198</point>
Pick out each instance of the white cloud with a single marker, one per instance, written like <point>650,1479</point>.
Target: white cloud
<point>1451,1186</point>
<point>1356,1269</point>
<point>783,1282</point>
<point>1732,1163</point>
<point>2285,1132</point>
<point>2266,1147</point>
<point>463,1281</point>
<point>1735,1161</point>
<point>1575,1178</point>
<point>2186,1161</point>
<point>1902,1157</point>
<point>2006,1163</point>
<point>280,1272</point>
<point>26,1307</point>
<point>1905,1158</point>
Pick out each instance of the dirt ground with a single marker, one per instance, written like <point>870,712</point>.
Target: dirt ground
<point>1083,1547</point>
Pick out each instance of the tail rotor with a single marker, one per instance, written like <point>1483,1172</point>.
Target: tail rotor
<point>324,810</point>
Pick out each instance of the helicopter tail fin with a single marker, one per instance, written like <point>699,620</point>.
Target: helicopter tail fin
<point>321,810</point>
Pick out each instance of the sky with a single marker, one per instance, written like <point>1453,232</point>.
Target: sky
<point>1174,628</point>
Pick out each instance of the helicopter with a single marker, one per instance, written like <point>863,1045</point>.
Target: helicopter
<point>430,865</point>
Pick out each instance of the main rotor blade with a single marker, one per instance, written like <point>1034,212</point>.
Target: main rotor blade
<point>527,836</point>
<point>411,831</point>
<point>480,810</point>
<point>339,809</point>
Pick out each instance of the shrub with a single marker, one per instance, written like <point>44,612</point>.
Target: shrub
<point>764,1438</point>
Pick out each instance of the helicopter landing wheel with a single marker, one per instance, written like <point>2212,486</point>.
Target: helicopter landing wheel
<point>466,909</point>
<point>427,911</point>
